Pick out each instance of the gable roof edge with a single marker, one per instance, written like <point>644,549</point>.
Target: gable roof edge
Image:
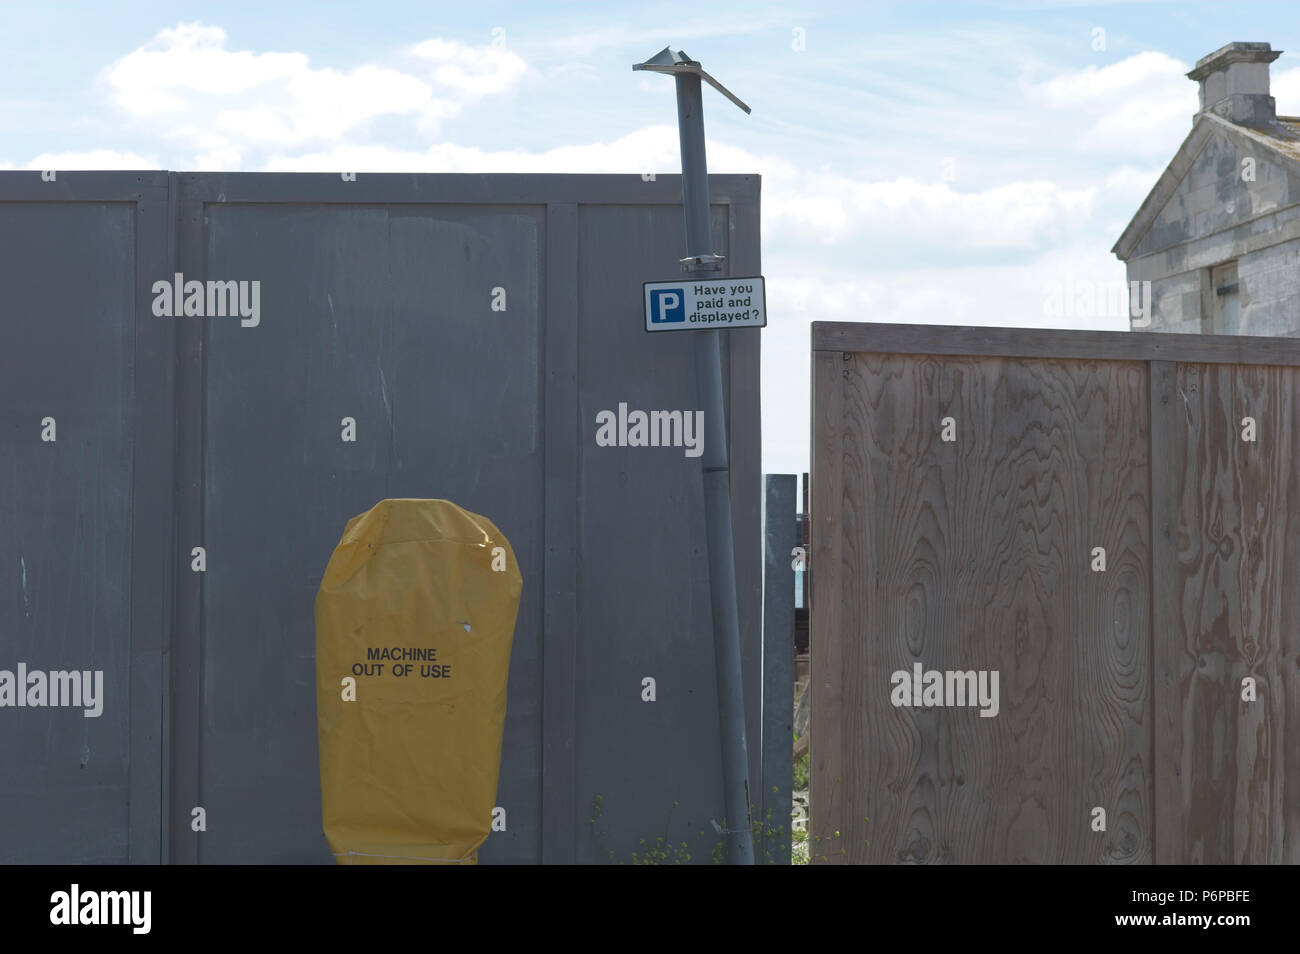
<point>1164,189</point>
<point>1178,167</point>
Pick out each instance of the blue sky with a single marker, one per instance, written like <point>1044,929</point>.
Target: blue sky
<point>946,163</point>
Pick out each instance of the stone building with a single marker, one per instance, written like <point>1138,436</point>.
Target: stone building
<point>1218,237</point>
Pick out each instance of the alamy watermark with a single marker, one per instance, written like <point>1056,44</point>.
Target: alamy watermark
<point>212,299</point>
<point>946,687</point>
<point>75,907</point>
<point>651,429</point>
<point>1085,298</point>
<point>60,688</point>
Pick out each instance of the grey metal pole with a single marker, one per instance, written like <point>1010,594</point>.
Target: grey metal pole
<point>717,484</point>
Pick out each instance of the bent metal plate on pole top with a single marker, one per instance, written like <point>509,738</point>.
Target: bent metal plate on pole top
<point>677,61</point>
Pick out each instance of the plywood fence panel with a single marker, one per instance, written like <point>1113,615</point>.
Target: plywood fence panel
<point>1083,516</point>
<point>826,755</point>
<point>1237,590</point>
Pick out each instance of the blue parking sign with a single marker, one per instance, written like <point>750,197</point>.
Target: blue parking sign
<point>667,305</point>
<point>705,304</point>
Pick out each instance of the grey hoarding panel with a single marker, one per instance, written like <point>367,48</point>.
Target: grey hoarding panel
<point>385,315</point>
<point>382,315</point>
<point>644,600</point>
<point>375,303</point>
<point>779,543</point>
<point>72,788</point>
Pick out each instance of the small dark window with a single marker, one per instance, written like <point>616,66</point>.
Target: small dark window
<point>1225,318</point>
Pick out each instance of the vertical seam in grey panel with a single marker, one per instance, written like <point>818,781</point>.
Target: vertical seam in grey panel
<point>559,818</point>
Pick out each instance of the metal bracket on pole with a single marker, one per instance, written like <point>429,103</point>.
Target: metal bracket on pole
<point>703,263</point>
<point>715,470</point>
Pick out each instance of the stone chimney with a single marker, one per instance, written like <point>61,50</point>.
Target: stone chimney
<point>1234,83</point>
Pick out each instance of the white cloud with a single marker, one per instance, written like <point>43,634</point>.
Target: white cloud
<point>91,159</point>
<point>653,149</point>
<point>256,100</point>
<point>828,209</point>
<point>1142,105</point>
<point>1284,86</point>
<point>1105,86</point>
<point>646,42</point>
<point>191,58</point>
<point>477,71</point>
<point>582,72</point>
<point>1022,215</point>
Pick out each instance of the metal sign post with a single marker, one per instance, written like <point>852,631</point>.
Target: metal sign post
<point>701,263</point>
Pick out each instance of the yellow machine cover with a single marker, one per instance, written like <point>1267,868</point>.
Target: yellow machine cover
<point>414,621</point>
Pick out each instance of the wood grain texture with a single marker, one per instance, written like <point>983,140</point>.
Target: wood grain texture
<point>1120,689</point>
<point>826,633</point>
<point>975,555</point>
<point>1166,420</point>
<point>1051,343</point>
<point>1237,592</point>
